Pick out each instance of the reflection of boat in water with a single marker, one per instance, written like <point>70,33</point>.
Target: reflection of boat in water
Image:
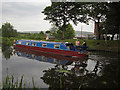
<point>51,47</point>
<point>47,57</point>
<point>79,66</point>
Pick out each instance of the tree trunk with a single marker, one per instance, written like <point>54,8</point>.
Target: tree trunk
<point>119,36</point>
<point>63,35</point>
<point>106,39</point>
<point>98,31</point>
<point>63,30</point>
<point>112,36</point>
<point>99,35</point>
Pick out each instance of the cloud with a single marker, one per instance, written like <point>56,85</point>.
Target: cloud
<point>25,16</point>
<point>23,8</point>
<point>26,1</point>
<point>0,14</point>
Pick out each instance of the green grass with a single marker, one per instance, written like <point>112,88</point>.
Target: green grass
<point>97,44</point>
<point>92,44</point>
<point>101,45</point>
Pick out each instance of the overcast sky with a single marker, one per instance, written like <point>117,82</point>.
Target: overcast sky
<point>27,16</point>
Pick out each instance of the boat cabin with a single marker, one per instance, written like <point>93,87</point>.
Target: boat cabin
<point>50,45</point>
<point>44,44</point>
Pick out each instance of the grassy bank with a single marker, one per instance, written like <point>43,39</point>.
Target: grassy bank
<point>99,45</point>
<point>112,46</point>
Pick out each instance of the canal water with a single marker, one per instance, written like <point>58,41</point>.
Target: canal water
<point>98,70</point>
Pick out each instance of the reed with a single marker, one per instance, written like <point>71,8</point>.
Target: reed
<point>60,82</point>
<point>21,82</point>
<point>33,82</point>
<point>0,86</point>
<point>11,82</point>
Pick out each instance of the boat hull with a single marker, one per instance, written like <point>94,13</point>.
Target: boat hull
<point>53,51</point>
<point>50,55</point>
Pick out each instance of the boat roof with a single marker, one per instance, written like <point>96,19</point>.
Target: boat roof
<point>41,41</point>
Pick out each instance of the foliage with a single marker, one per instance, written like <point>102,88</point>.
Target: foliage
<point>47,31</point>
<point>6,49</point>
<point>104,12</point>
<point>112,25</point>
<point>61,13</point>
<point>69,32</point>
<point>35,36</point>
<point>53,29</point>
<point>11,82</point>
<point>8,30</point>
<point>42,33</point>
<point>86,80</point>
<point>97,12</point>
<point>58,35</point>
<point>0,32</point>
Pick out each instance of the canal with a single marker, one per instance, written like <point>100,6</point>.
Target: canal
<point>98,70</point>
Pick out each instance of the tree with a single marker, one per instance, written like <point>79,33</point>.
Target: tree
<point>47,31</point>
<point>6,49</point>
<point>97,13</point>
<point>0,32</point>
<point>8,30</point>
<point>58,35</point>
<point>69,32</point>
<point>53,29</point>
<point>42,33</point>
<point>61,13</point>
<point>112,24</point>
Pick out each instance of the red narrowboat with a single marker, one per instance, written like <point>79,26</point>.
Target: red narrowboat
<point>59,48</point>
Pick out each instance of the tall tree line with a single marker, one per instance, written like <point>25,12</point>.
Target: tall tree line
<point>61,13</point>
<point>112,25</point>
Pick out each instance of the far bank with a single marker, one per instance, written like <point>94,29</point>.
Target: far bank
<point>93,45</point>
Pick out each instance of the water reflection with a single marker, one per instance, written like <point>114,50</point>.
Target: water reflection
<point>7,50</point>
<point>76,77</point>
<point>47,57</point>
<point>72,72</point>
<point>99,70</point>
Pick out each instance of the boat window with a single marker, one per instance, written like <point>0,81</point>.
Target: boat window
<point>44,45</point>
<point>57,46</point>
<point>27,43</point>
<point>19,42</point>
<point>33,44</point>
<point>68,46</point>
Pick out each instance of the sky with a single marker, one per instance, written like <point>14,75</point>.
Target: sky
<point>26,15</point>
